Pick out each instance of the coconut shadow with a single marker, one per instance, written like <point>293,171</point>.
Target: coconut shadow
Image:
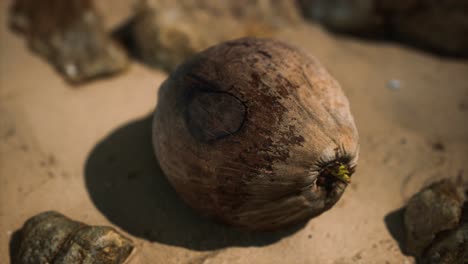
<point>127,185</point>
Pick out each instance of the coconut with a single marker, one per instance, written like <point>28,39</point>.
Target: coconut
<point>255,133</point>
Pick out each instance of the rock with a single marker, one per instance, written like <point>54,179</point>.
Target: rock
<point>394,84</point>
<point>435,209</point>
<point>453,248</point>
<point>167,32</point>
<point>438,25</point>
<point>70,35</point>
<point>52,238</point>
<point>343,15</point>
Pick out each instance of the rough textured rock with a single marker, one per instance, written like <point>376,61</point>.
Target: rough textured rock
<point>52,238</point>
<point>70,35</point>
<point>255,133</point>
<point>439,25</point>
<point>451,249</point>
<point>435,209</point>
<point>167,32</point>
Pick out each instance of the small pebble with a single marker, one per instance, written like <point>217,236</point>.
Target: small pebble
<point>394,84</point>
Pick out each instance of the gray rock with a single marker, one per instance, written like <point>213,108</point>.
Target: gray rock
<point>70,35</point>
<point>167,32</point>
<point>435,209</point>
<point>52,238</point>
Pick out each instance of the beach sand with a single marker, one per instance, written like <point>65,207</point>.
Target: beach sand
<point>85,151</point>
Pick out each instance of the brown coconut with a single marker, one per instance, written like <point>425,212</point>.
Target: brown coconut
<point>255,132</point>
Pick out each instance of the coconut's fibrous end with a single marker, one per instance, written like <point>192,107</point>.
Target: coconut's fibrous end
<point>255,133</point>
<point>52,238</point>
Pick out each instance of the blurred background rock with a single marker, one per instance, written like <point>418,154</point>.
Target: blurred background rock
<point>438,25</point>
<point>70,35</point>
<point>163,33</point>
<point>166,32</point>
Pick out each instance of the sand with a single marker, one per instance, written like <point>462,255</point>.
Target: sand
<point>86,152</point>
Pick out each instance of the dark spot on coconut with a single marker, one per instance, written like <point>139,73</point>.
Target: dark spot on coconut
<point>211,116</point>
